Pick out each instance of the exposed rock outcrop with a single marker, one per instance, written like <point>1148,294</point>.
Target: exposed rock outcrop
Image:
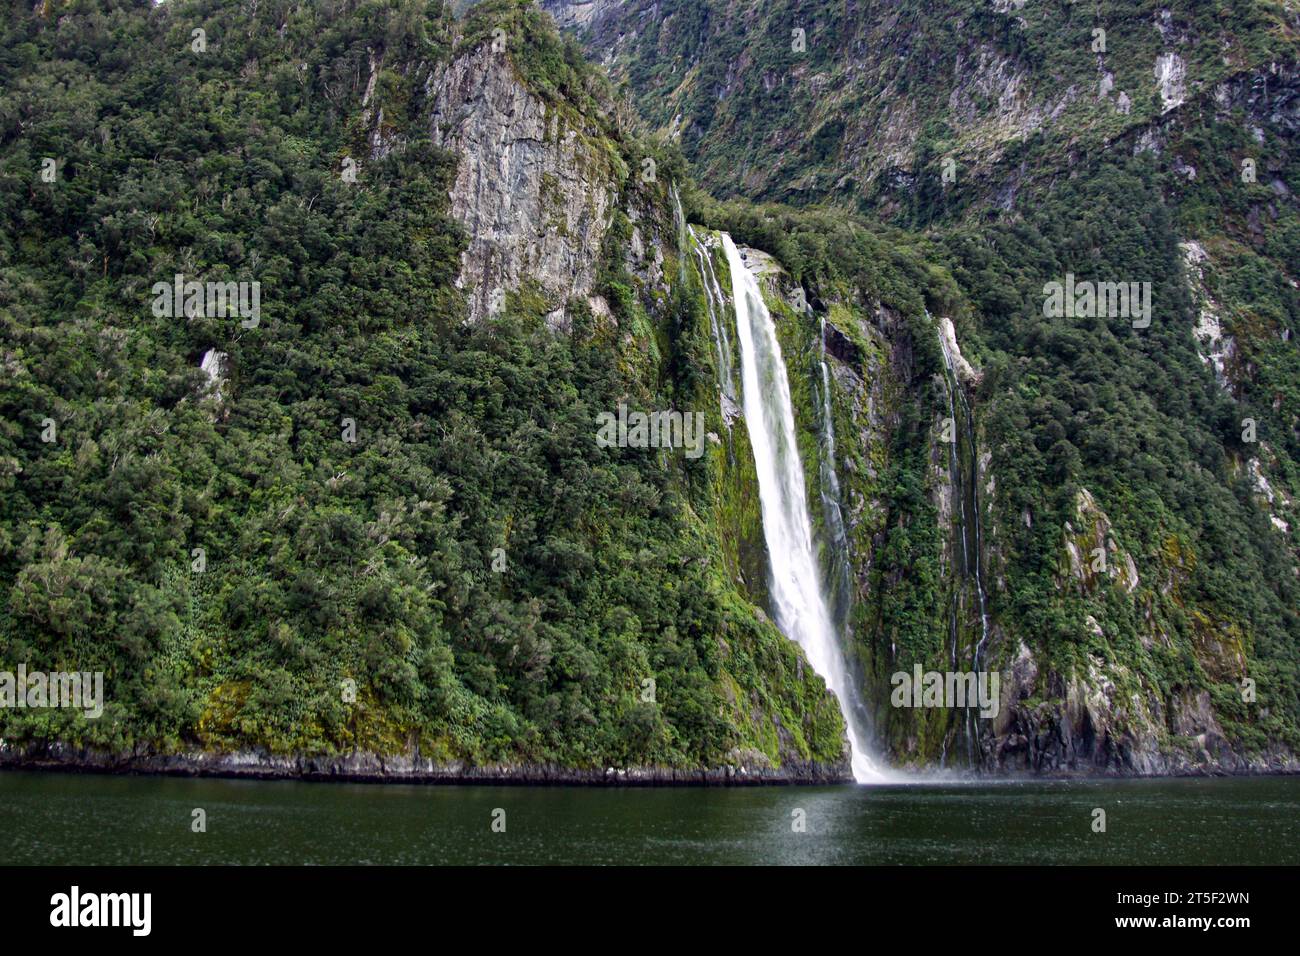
<point>214,365</point>
<point>1170,81</point>
<point>1100,720</point>
<point>578,14</point>
<point>745,768</point>
<point>1091,550</point>
<point>963,368</point>
<point>1217,349</point>
<point>1267,97</point>
<point>839,345</point>
<point>534,193</point>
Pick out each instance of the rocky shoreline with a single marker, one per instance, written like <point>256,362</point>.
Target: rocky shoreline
<point>397,768</point>
<point>376,768</point>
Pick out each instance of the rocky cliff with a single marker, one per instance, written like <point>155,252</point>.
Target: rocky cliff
<point>533,189</point>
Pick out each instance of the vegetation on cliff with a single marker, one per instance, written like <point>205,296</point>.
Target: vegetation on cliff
<point>472,574</point>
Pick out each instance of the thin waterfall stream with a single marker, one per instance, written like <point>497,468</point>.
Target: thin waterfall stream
<point>830,482</point>
<point>716,304</point>
<point>969,521</point>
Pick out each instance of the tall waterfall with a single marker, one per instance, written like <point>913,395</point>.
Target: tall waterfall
<point>798,599</point>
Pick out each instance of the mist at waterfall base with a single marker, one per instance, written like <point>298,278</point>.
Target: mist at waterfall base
<point>797,591</point>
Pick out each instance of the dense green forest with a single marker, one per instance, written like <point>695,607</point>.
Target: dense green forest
<point>861,103</point>
<point>497,586</point>
<point>1135,417</point>
<point>381,528</point>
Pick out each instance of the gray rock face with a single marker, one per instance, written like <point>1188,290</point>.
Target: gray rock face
<point>1270,98</point>
<point>578,14</point>
<point>1088,726</point>
<point>1170,75</point>
<point>534,195</point>
<point>214,367</point>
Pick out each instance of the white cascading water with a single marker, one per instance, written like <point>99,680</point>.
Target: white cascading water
<point>717,307</point>
<point>712,298</point>
<point>797,596</point>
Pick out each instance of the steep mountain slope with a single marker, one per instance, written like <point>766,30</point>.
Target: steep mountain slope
<point>861,101</point>
<point>1114,528</point>
<point>365,527</point>
<point>370,528</point>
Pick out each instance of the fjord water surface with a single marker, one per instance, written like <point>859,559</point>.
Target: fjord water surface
<point>58,818</point>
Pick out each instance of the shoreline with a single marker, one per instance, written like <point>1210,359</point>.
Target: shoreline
<point>396,769</point>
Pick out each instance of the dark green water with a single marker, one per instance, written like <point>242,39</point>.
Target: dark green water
<point>73,819</point>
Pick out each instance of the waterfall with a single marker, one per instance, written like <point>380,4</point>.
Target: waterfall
<point>830,482</point>
<point>715,301</point>
<point>968,518</point>
<point>717,307</point>
<point>798,600</point>
<point>679,221</point>
<point>839,566</point>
